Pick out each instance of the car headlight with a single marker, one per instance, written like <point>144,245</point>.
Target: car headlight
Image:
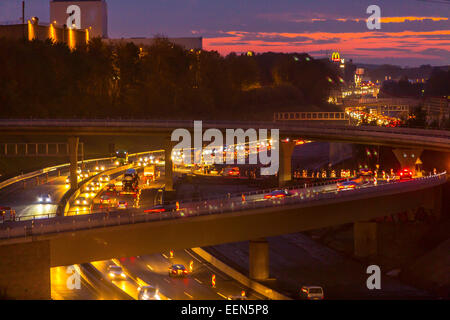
<point>111,274</point>
<point>77,202</point>
<point>123,275</point>
<point>84,202</point>
<point>39,199</point>
<point>48,199</point>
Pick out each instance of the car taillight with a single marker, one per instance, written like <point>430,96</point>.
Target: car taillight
<point>267,196</point>
<point>185,271</point>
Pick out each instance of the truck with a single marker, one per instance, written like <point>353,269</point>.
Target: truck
<point>130,180</point>
<point>149,173</point>
<point>121,158</point>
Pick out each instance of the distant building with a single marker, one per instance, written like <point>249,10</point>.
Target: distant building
<point>35,31</point>
<point>83,14</point>
<point>75,22</point>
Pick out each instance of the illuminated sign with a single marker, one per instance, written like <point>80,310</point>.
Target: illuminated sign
<point>336,57</point>
<point>74,18</point>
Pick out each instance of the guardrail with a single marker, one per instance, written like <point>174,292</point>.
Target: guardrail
<point>37,173</point>
<point>132,216</point>
<point>206,124</point>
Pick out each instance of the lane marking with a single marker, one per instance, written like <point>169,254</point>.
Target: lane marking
<point>165,256</point>
<point>188,295</point>
<point>197,280</point>
<point>166,280</point>
<point>150,267</point>
<point>226,298</point>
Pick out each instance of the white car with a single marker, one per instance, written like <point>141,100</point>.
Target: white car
<point>116,273</point>
<point>148,293</point>
<point>81,201</point>
<point>44,198</point>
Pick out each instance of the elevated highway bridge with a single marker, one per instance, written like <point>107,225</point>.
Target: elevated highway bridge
<point>409,142</point>
<point>28,248</point>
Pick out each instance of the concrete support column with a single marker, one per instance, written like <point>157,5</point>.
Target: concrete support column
<point>434,203</point>
<point>168,165</point>
<point>285,170</point>
<point>365,239</point>
<point>73,155</point>
<point>408,157</point>
<point>259,259</point>
<point>25,271</point>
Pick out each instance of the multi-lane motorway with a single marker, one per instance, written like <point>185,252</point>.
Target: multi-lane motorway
<point>140,271</point>
<point>143,270</point>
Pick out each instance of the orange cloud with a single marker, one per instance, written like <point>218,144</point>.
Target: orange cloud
<point>404,19</point>
<point>409,44</point>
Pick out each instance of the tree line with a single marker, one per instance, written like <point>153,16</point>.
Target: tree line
<point>41,79</point>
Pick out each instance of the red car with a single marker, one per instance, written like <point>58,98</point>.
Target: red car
<point>405,174</point>
<point>277,194</point>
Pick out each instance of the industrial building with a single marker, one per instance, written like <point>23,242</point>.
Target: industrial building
<point>75,22</point>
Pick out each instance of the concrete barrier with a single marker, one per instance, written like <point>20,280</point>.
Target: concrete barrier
<point>239,277</point>
<point>70,196</point>
<point>37,173</point>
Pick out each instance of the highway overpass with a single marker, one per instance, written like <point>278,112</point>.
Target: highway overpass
<point>29,248</point>
<point>410,142</point>
<point>394,137</point>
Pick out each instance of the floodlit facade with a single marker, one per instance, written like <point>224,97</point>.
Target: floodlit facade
<point>81,14</point>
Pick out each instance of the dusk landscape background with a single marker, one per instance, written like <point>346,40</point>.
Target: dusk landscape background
<point>412,33</point>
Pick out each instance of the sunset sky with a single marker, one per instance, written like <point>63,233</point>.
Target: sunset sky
<point>413,32</point>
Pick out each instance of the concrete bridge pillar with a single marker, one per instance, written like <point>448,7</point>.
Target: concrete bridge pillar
<point>408,157</point>
<point>434,203</point>
<point>168,172</point>
<point>365,239</point>
<point>285,170</point>
<point>25,271</point>
<point>73,155</point>
<point>259,259</point>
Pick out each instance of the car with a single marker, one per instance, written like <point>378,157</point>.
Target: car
<point>104,178</point>
<point>100,168</point>
<point>7,214</point>
<point>365,172</point>
<point>115,272</point>
<point>177,270</point>
<point>111,187</point>
<point>311,293</point>
<point>148,293</point>
<point>405,174</point>
<point>277,194</point>
<point>162,208</point>
<point>44,198</point>
<point>84,174</point>
<point>237,298</point>
<point>346,185</point>
<point>104,199</point>
<point>81,201</point>
<point>231,172</point>
<point>122,205</point>
<point>95,186</point>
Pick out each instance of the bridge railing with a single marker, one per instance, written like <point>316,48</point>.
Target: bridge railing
<point>304,197</point>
